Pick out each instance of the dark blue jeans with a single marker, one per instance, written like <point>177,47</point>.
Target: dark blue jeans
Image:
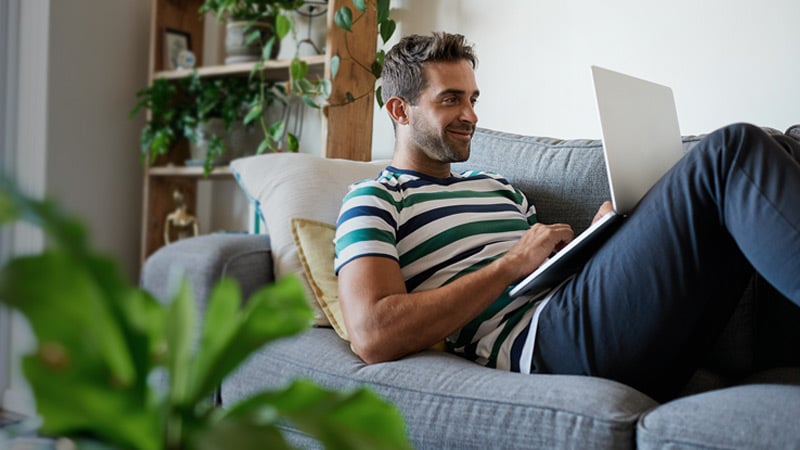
<point>659,292</point>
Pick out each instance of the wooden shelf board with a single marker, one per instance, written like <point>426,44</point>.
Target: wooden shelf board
<point>276,69</point>
<point>189,171</point>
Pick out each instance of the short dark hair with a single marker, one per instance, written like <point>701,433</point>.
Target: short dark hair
<point>402,74</point>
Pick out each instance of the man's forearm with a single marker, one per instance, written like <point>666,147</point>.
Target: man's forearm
<point>394,325</point>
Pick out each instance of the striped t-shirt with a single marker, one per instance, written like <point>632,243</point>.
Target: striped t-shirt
<point>439,229</point>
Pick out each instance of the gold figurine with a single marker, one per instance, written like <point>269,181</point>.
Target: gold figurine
<point>180,221</point>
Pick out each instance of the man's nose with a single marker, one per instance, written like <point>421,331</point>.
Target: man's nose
<point>468,114</point>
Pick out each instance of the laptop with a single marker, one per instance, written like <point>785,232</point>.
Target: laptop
<point>641,142</point>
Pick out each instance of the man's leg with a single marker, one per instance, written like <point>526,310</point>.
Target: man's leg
<point>659,292</point>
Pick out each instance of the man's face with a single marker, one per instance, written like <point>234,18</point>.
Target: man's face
<point>444,119</point>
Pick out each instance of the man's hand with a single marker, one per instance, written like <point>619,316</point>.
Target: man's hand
<point>536,245</point>
<point>605,208</point>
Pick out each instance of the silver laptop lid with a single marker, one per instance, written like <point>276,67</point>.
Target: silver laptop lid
<point>641,135</point>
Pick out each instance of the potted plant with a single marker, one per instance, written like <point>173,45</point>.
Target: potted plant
<point>222,118</point>
<point>166,121</point>
<point>254,28</point>
<point>102,346</point>
<point>215,128</point>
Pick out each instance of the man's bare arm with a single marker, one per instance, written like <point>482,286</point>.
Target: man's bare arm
<point>385,322</point>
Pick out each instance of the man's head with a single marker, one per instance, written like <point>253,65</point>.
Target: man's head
<point>430,92</point>
<point>403,75</point>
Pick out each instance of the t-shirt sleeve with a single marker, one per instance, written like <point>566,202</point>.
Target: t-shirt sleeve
<point>367,224</point>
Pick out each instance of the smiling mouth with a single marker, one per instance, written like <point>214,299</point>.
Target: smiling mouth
<point>463,133</point>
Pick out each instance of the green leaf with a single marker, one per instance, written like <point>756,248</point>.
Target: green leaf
<point>360,5</point>
<point>334,65</point>
<point>273,312</point>
<point>298,68</point>
<point>310,102</point>
<point>276,130</point>
<point>387,28</point>
<point>292,142</point>
<point>221,322</point>
<point>240,435</point>
<point>355,420</point>
<point>283,26</point>
<point>253,36</point>
<point>376,68</point>
<point>325,88</point>
<point>263,146</point>
<point>344,18</point>
<point>254,113</point>
<point>181,319</point>
<point>266,52</point>
<point>82,352</point>
<point>383,10</point>
<point>379,96</point>
<point>145,319</point>
<point>304,86</point>
<point>73,400</point>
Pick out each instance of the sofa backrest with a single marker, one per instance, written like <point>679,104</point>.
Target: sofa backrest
<point>565,179</point>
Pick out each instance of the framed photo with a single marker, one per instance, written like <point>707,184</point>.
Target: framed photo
<point>175,41</point>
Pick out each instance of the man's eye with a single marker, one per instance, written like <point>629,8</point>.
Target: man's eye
<point>449,100</point>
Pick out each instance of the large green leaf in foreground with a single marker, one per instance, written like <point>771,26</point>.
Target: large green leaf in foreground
<point>101,340</point>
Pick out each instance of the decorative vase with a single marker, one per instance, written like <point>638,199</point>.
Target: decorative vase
<point>237,50</point>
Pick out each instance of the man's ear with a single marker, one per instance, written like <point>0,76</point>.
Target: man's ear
<point>397,109</point>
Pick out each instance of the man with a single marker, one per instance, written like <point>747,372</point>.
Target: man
<point>424,254</point>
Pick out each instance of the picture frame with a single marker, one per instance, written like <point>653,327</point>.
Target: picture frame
<point>175,41</point>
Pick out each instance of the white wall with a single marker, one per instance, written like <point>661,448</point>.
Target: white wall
<point>75,69</point>
<point>97,62</point>
<point>726,60</point>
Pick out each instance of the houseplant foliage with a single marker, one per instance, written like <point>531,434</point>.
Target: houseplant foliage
<point>101,344</point>
<point>263,22</point>
<point>344,19</point>
<point>253,9</point>
<point>178,107</point>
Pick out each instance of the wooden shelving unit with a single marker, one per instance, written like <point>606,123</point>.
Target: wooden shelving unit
<point>346,130</point>
<point>277,70</point>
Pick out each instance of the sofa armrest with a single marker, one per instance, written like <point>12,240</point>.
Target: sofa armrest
<point>204,260</point>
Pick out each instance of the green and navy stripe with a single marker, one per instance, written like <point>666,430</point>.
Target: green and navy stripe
<point>439,230</point>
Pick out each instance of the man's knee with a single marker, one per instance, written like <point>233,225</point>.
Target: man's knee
<point>734,139</point>
<point>741,132</point>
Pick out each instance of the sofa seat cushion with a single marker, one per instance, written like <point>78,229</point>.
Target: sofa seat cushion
<point>741,417</point>
<point>449,402</point>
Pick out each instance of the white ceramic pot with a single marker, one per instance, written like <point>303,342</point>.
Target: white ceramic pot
<point>237,49</point>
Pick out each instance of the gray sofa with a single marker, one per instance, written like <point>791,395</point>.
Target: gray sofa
<point>747,395</point>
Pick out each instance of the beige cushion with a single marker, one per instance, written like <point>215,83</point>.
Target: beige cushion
<point>284,186</point>
<point>315,247</point>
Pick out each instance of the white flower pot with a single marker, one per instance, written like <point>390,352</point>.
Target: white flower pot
<point>237,49</point>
